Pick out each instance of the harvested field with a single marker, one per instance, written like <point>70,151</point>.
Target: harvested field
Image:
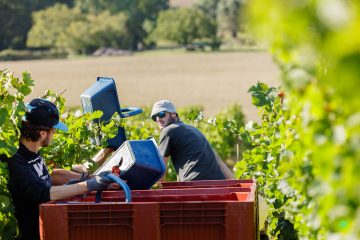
<point>213,80</point>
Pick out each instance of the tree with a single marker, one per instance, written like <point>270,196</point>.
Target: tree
<point>183,25</point>
<point>210,10</point>
<point>50,24</point>
<point>86,35</point>
<point>210,7</point>
<point>229,13</point>
<point>98,6</point>
<point>139,12</point>
<point>16,21</point>
<point>65,29</point>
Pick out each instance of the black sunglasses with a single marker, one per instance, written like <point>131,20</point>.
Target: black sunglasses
<point>160,115</point>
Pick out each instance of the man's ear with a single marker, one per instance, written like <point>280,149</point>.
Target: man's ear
<point>42,133</point>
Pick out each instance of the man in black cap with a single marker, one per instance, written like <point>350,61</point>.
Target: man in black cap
<point>30,183</point>
<point>190,151</point>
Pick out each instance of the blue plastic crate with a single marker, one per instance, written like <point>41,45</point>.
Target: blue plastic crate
<point>140,163</point>
<point>102,96</point>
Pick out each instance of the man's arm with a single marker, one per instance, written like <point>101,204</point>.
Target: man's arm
<point>97,183</point>
<point>62,176</point>
<point>99,159</point>
<point>102,155</point>
<point>223,167</point>
<point>66,191</point>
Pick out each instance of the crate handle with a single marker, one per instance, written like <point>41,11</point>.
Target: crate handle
<point>131,111</point>
<point>122,184</point>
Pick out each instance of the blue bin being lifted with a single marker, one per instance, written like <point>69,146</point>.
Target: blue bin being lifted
<point>139,162</point>
<point>102,96</point>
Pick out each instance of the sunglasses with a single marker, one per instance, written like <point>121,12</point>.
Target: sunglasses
<point>160,115</point>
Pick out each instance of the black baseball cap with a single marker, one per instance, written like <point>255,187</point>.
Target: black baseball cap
<point>41,112</point>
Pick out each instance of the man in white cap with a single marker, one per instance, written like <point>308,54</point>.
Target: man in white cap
<point>190,152</point>
<point>30,183</point>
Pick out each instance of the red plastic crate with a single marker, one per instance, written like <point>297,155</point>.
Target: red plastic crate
<point>162,195</point>
<point>188,194</point>
<point>186,214</point>
<point>196,192</point>
<point>209,184</point>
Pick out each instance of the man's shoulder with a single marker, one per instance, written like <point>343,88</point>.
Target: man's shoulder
<point>17,159</point>
<point>174,127</point>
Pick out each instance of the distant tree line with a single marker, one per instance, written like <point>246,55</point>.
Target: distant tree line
<point>16,20</point>
<point>82,26</point>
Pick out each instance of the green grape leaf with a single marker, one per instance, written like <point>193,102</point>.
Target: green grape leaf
<point>3,116</point>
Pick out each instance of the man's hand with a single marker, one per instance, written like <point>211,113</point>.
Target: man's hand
<point>98,183</point>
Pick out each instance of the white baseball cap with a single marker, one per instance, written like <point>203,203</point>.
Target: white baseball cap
<point>162,106</point>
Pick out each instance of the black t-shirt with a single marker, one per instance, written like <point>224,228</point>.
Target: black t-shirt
<point>190,152</point>
<point>29,186</point>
